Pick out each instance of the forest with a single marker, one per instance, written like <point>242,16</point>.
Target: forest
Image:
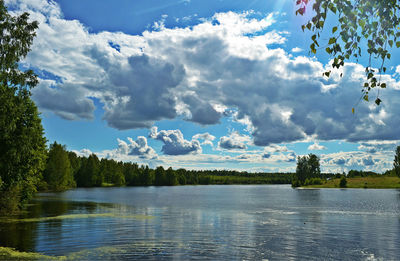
<point>65,169</point>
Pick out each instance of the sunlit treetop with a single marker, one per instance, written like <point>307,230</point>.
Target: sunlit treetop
<point>16,37</point>
<point>362,26</point>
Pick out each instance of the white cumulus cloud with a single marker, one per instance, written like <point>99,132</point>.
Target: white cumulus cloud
<point>174,142</point>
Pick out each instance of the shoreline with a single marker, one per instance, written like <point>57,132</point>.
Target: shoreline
<point>378,182</point>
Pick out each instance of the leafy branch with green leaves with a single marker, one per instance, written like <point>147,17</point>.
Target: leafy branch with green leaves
<point>363,25</point>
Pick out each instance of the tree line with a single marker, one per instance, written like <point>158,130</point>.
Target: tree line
<point>308,171</point>
<point>65,169</point>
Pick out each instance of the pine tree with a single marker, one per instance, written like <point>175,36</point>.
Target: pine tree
<point>58,173</point>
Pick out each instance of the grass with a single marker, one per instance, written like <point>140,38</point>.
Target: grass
<point>105,184</point>
<point>8,253</point>
<point>100,253</point>
<point>75,216</point>
<point>380,182</point>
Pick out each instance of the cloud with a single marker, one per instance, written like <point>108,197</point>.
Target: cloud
<point>275,148</point>
<point>68,102</point>
<point>206,137</point>
<point>174,143</point>
<point>379,146</point>
<point>200,111</point>
<point>367,161</point>
<point>266,155</point>
<point>227,60</point>
<point>83,152</point>
<point>297,50</point>
<point>143,92</point>
<point>340,161</point>
<point>136,148</point>
<point>359,160</point>
<point>233,141</point>
<point>316,146</point>
<point>291,157</point>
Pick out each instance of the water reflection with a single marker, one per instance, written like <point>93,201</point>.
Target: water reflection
<point>212,222</point>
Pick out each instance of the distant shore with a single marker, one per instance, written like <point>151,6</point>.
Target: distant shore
<point>379,182</point>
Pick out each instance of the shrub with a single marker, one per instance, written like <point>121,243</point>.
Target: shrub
<point>296,183</point>
<point>343,182</point>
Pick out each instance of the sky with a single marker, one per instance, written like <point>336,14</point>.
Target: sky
<point>202,84</point>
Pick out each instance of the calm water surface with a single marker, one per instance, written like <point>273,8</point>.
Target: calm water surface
<point>212,222</point>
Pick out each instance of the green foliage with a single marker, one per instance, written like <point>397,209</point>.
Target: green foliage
<point>360,173</point>
<point>307,167</point>
<point>363,25</point>
<point>130,171</point>
<point>145,177</point>
<point>377,182</point>
<point>313,181</point>
<point>170,177</point>
<point>111,172</point>
<point>22,144</point>
<point>89,173</point>
<point>343,182</point>
<point>75,162</point>
<point>396,162</point>
<point>159,176</point>
<point>296,183</point>
<point>58,173</point>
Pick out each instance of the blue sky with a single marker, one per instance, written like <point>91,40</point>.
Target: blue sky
<point>202,85</point>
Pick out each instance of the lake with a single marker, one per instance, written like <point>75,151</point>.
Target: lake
<point>236,222</point>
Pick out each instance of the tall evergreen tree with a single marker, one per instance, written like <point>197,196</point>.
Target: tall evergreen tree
<point>159,176</point>
<point>89,174</point>
<point>170,177</point>
<point>58,173</point>
<point>22,144</point>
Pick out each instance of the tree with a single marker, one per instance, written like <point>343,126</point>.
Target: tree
<point>170,177</point>
<point>58,173</point>
<point>118,178</point>
<point>396,162</point>
<point>343,182</point>
<point>145,177</point>
<point>362,25</point>
<point>159,176</point>
<point>131,173</point>
<point>75,162</point>
<point>307,167</point>
<point>89,173</point>
<point>22,144</point>
<point>313,162</point>
<point>301,171</point>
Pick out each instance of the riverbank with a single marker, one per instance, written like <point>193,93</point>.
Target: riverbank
<point>379,182</point>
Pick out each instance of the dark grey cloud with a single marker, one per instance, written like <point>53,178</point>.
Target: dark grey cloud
<point>143,93</point>
<point>201,111</point>
<point>174,142</point>
<point>68,102</point>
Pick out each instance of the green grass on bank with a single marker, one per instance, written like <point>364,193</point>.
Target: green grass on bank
<point>380,182</point>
